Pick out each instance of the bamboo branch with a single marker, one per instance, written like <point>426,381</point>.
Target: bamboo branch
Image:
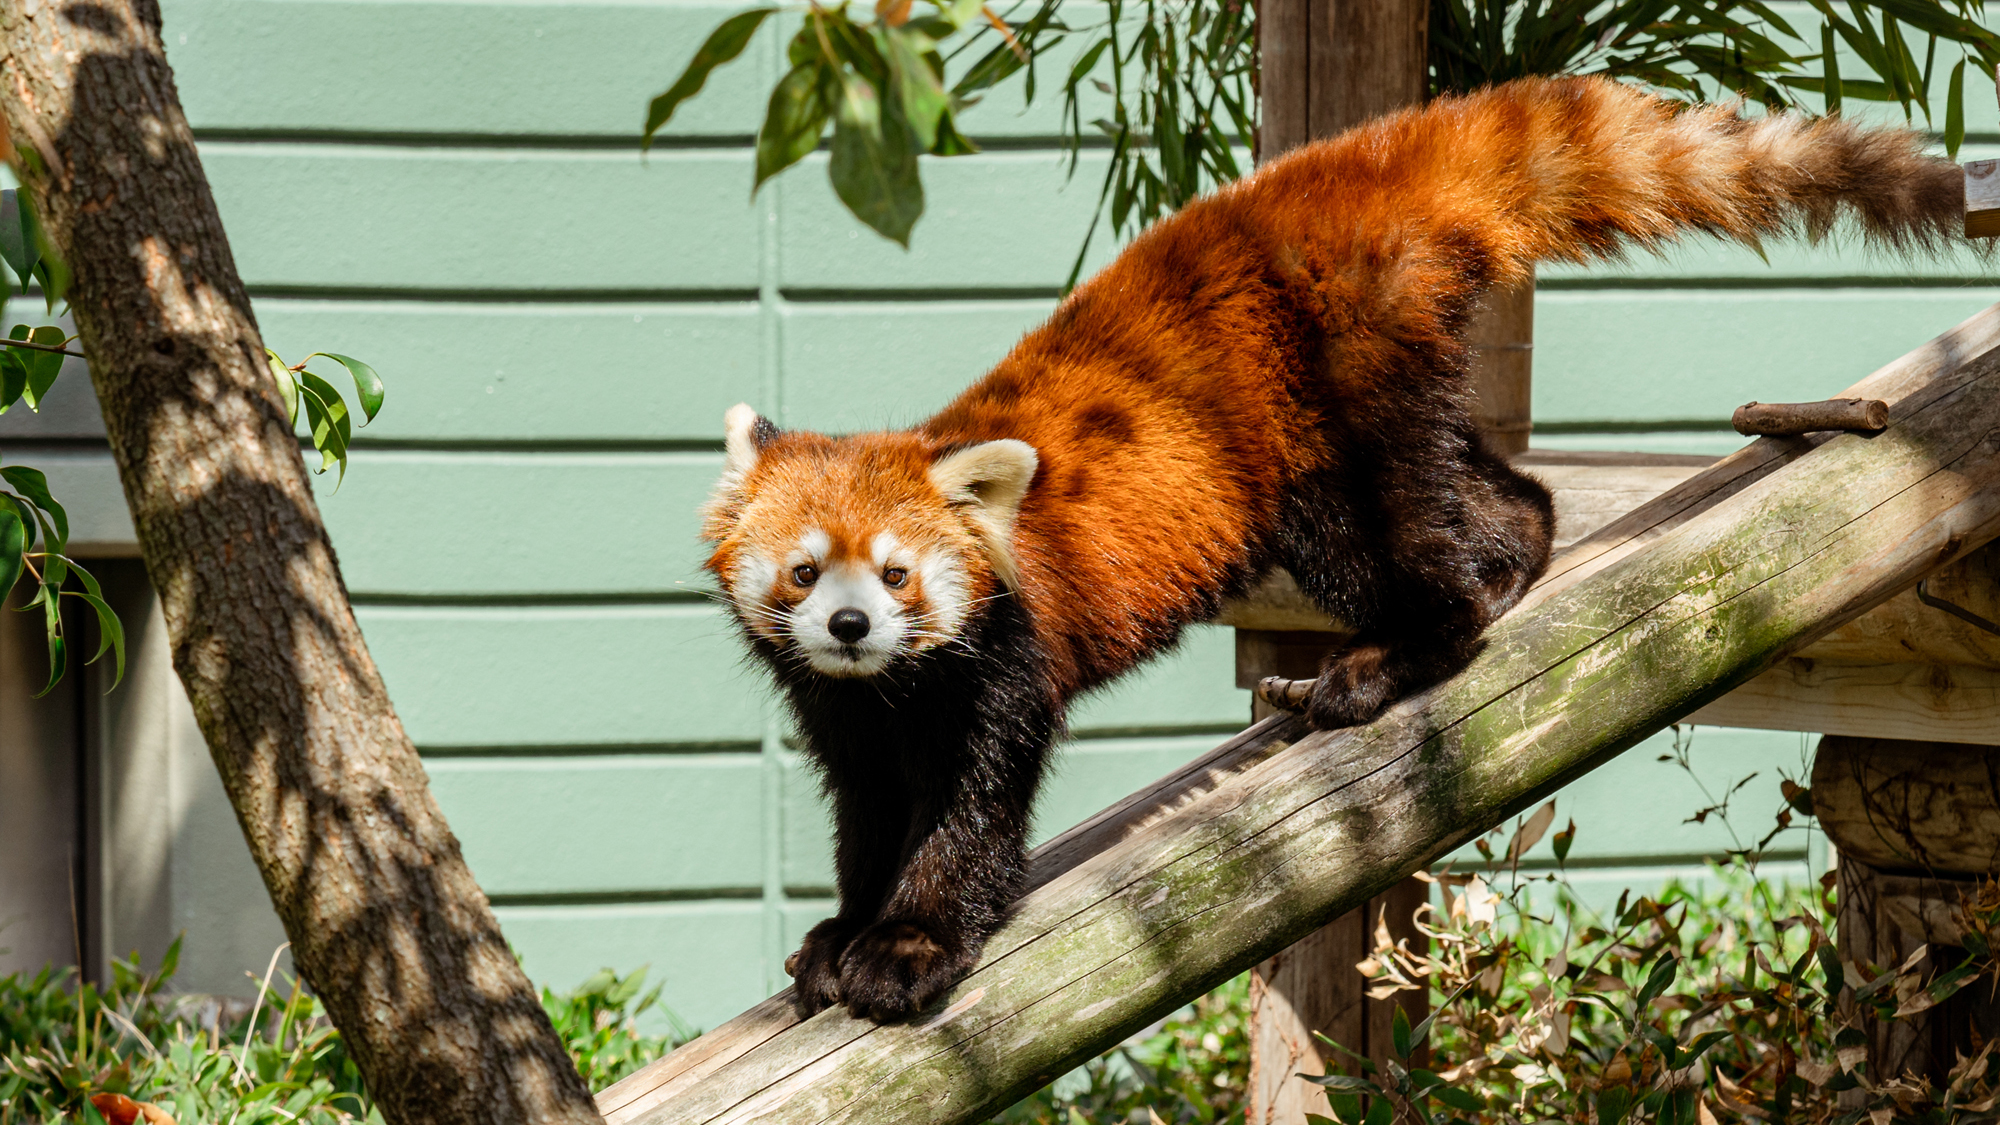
<point>1179,887</point>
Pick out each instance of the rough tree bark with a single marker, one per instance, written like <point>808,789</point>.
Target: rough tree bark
<point>386,922</point>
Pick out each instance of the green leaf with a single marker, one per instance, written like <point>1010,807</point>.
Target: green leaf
<point>1562,841</point>
<point>919,92</point>
<point>367,384</point>
<point>1657,981</point>
<point>326,419</point>
<point>288,387</point>
<point>43,366</point>
<point>1612,1105</point>
<point>1379,1112</point>
<point>17,242</point>
<point>1829,63</point>
<point>13,377</point>
<point>724,43</point>
<point>110,633</point>
<point>13,546</point>
<point>58,650</point>
<point>34,487</point>
<point>1463,1100</point>
<point>1342,1082</point>
<point>1954,111</point>
<point>794,119</point>
<point>874,166</point>
<point>1399,1032</point>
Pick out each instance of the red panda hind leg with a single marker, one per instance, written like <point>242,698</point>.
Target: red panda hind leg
<point>1420,555</point>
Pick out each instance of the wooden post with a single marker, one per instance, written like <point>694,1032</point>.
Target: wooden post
<point>1917,824</point>
<point>1324,66</point>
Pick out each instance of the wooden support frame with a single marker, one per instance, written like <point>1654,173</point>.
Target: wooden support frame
<point>1238,855</point>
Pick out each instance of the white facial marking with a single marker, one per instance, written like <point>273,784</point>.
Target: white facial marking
<point>849,586</point>
<point>750,589</point>
<point>816,546</point>
<point>882,547</point>
<point>945,594</point>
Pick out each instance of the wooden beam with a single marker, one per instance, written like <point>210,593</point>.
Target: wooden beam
<point>1982,198</point>
<point>1925,806</point>
<point>1172,891</point>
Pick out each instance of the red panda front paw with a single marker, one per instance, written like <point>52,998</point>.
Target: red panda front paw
<point>815,968</point>
<point>895,969</point>
<point>1354,685</point>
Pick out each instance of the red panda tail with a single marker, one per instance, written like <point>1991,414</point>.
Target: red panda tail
<point>1577,168</point>
<point>1397,226</point>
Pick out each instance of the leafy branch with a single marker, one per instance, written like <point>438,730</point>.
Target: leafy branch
<point>30,360</point>
<point>1182,77</point>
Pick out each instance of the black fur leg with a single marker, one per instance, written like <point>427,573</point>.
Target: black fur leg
<point>815,967</point>
<point>1354,685</point>
<point>895,969</point>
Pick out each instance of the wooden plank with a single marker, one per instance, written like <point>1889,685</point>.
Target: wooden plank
<point>455,68</point>
<point>508,70</point>
<point>1278,830</point>
<point>560,946</point>
<point>866,365</point>
<point>999,219</point>
<point>521,371</point>
<point>1933,702</point>
<point>1612,356</point>
<point>564,677</point>
<point>1676,354</point>
<point>1982,198</point>
<point>422,523</point>
<point>619,824</point>
<point>395,217</point>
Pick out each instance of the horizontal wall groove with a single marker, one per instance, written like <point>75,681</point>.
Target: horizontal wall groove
<point>1774,281</point>
<point>592,750</point>
<point>535,600</point>
<point>1218,730</point>
<point>499,296</point>
<point>537,445</point>
<point>813,296</point>
<point>394,139</point>
<point>1536,866</point>
<point>1648,426</point>
<point>624,898</point>
<point>598,142</point>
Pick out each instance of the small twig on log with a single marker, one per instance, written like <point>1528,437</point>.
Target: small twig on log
<point>1790,419</point>
<point>1284,694</point>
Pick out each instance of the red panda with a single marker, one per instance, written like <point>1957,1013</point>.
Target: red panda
<point>1275,376</point>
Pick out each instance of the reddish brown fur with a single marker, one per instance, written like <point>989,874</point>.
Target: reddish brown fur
<point>1275,376</point>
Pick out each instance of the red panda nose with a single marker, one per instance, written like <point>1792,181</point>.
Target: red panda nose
<point>848,626</point>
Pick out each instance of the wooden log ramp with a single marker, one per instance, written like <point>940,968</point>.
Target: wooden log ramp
<point>1179,887</point>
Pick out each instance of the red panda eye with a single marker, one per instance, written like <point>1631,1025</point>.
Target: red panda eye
<point>894,577</point>
<point>805,574</point>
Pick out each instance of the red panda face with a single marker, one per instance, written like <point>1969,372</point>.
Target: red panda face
<point>849,555</point>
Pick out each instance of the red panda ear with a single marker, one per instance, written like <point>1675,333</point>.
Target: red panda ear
<point>745,433</point>
<point>988,481</point>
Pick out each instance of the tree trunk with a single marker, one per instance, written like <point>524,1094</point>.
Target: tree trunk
<point>386,923</point>
<point>1175,889</point>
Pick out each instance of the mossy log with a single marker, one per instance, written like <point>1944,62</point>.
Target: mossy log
<point>1240,854</point>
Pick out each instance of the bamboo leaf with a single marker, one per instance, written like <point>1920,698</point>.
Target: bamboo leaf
<point>288,387</point>
<point>1830,67</point>
<point>1954,111</point>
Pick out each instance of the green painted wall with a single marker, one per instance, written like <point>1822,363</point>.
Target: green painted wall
<point>451,190</point>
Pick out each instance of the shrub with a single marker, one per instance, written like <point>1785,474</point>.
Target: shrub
<point>132,1052</point>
